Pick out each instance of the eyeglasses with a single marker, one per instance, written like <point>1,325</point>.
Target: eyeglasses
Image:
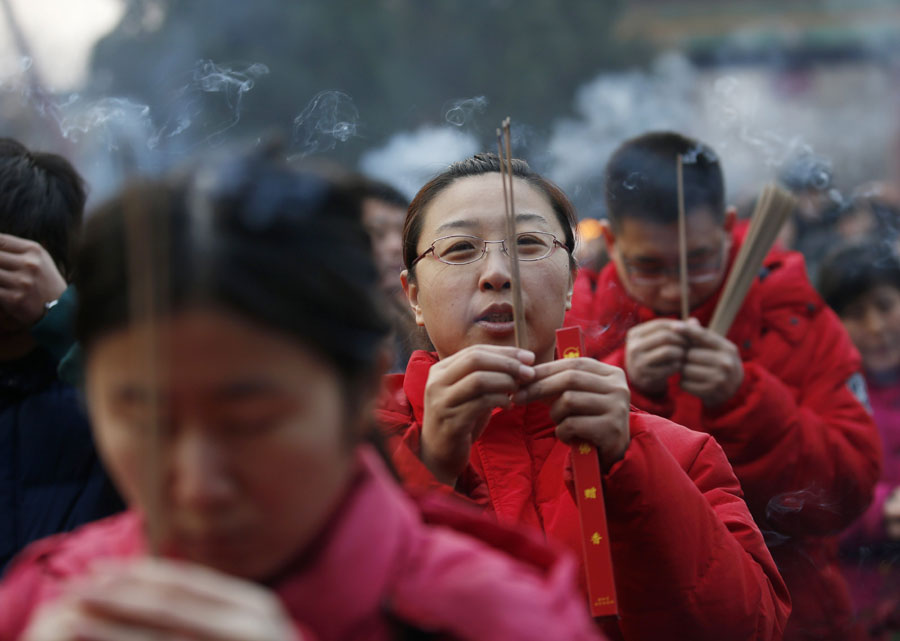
<point>698,271</point>
<point>462,250</point>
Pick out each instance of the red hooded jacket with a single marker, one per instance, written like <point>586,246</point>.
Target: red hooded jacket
<point>689,562</point>
<point>377,572</point>
<point>802,444</point>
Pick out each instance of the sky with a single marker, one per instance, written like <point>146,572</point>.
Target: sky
<point>61,34</point>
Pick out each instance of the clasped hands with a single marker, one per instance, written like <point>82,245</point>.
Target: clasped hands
<point>710,365</point>
<point>588,400</point>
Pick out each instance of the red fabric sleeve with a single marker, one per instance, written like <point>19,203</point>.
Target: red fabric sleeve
<point>713,577</point>
<point>404,448</point>
<point>808,461</point>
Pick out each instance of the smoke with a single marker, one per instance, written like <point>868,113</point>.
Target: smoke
<point>462,111</point>
<point>211,100</point>
<point>329,118</point>
<point>616,106</point>
<point>800,126</point>
<point>410,159</point>
<point>113,121</point>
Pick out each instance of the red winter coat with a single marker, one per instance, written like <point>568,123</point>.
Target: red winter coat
<point>689,562</point>
<point>803,446</point>
<point>377,572</point>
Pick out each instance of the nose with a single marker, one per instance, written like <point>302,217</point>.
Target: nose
<point>495,271</point>
<point>199,472</point>
<point>670,291</point>
<point>873,321</point>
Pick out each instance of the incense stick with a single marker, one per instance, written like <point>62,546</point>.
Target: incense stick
<point>144,242</point>
<point>772,211</point>
<point>682,242</point>
<point>512,247</point>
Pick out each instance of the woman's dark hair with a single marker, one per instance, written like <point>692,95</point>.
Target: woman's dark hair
<point>852,270</point>
<point>278,246</point>
<point>641,179</point>
<point>476,166</point>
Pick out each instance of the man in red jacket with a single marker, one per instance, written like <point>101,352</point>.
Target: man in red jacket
<point>781,393</point>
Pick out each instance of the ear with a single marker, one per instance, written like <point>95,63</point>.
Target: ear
<point>570,288</point>
<point>609,236</point>
<point>730,218</point>
<point>412,295</point>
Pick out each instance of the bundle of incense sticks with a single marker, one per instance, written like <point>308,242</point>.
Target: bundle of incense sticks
<point>505,156</point>
<point>772,211</point>
<point>682,242</point>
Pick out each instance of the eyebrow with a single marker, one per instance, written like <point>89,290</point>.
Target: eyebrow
<point>524,217</point>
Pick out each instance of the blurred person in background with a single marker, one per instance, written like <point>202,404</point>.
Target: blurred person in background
<point>781,393</point>
<point>861,282</point>
<point>383,213</point>
<point>50,477</point>
<point>810,180</point>
<point>590,250</point>
<point>262,515</point>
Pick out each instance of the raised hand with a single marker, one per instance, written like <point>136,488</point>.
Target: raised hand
<point>654,351</point>
<point>713,370</point>
<point>460,394</point>
<point>588,400</point>
<point>158,599</point>
<point>28,279</point>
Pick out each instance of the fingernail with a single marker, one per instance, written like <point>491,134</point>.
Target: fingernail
<point>526,356</point>
<point>526,372</point>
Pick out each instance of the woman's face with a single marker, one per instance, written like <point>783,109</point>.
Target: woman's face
<point>873,322</point>
<point>463,305</point>
<point>253,439</point>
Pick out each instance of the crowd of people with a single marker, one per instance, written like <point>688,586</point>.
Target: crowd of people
<point>254,401</point>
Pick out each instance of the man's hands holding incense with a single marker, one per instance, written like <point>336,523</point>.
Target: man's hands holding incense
<point>589,401</point>
<point>159,599</point>
<point>710,365</point>
<point>713,370</point>
<point>654,351</point>
<point>460,394</point>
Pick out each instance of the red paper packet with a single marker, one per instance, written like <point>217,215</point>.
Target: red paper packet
<point>591,508</point>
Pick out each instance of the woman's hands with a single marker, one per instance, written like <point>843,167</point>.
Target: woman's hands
<point>158,599</point>
<point>460,394</point>
<point>588,400</point>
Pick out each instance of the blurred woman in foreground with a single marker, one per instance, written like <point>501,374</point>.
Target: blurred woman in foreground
<point>256,356</point>
<point>490,422</point>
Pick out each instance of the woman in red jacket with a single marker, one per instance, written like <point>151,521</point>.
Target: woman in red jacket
<point>230,413</point>
<point>488,421</point>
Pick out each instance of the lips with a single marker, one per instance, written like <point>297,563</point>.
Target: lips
<point>497,313</point>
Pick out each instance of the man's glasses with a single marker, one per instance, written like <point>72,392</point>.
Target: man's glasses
<point>698,271</point>
<point>461,250</point>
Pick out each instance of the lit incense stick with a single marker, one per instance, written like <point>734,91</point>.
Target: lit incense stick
<point>682,243</point>
<point>512,248</point>
<point>145,241</point>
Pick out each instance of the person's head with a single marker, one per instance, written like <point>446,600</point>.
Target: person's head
<point>467,304</point>
<point>42,199</point>
<point>861,283</point>
<point>642,228</point>
<point>383,213</point>
<point>238,305</point>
